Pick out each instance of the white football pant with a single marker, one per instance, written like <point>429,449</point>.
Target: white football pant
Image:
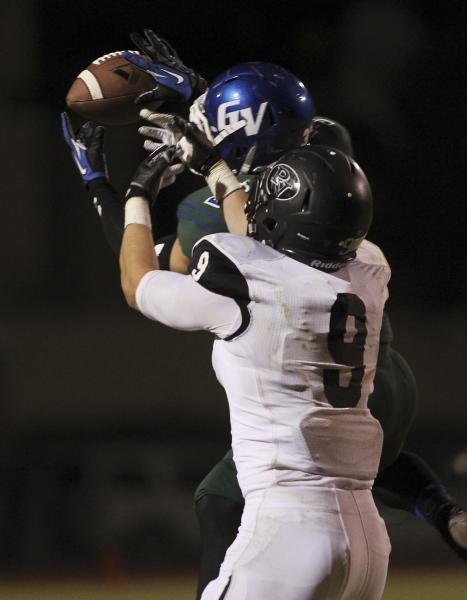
<point>302,543</point>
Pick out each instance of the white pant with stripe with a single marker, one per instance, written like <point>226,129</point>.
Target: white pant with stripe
<point>305,543</point>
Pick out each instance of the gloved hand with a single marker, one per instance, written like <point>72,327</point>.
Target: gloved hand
<point>158,135</point>
<point>199,118</point>
<point>195,144</point>
<point>87,148</point>
<point>201,156</point>
<point>193,147</point>
<point>148,176</point>
<point>174,80</point>
<point>197,150</point>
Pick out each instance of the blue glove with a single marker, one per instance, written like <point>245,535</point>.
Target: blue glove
<point>87,148</point>
<point>174,80</point>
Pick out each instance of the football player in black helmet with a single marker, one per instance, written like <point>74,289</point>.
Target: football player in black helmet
<point>296,450</point>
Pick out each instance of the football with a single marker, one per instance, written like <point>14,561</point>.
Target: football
<point>105,91</point>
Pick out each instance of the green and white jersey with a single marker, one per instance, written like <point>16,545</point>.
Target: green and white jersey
<point>200,214</point>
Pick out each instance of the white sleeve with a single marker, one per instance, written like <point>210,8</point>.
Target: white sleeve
<point>179,302</point>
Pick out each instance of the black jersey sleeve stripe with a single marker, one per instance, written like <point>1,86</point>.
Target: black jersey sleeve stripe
<point>246,317</point>
<point>226,589</point>
<point>164,256</point>
<point>216,272</point>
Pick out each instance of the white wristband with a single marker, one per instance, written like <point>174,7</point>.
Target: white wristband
<point>222,181</point>
<point>137,212</point>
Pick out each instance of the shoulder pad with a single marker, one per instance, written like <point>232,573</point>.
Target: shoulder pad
<point>242,249</point>
<point>371,254</point>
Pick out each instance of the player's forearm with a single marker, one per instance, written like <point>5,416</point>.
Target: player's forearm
<point>230,194</point>
<point>110,210</point>
<point>234,212</point>
<point>137,256</point>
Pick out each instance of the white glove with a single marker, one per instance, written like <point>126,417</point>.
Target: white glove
<point>158,135</point>
<point>198,117</point>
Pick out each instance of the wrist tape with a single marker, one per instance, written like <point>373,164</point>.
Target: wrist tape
<point>137,212</point>
<point>222,181</point>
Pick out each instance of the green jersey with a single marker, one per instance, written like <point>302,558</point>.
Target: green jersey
<point>200,214</point>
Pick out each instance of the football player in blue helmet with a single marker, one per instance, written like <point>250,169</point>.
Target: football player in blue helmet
<point>275,106</point>
<point>266,109</point>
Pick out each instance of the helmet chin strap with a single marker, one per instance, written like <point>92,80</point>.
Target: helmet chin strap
<point>228,130</point>
<point>251,229</point>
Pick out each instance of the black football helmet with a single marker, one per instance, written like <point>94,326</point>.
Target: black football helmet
<point>327,132</point>
<point>314,204</point>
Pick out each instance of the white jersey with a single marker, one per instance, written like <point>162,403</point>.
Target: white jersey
<point>296,352</point>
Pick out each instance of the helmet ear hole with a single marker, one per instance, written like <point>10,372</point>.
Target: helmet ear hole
<point>240,151</point>
<point>306,202</point>
<point>272,116</point>
<point>270,223</point>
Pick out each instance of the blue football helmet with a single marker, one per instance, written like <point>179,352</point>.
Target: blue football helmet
<point>277,108</point>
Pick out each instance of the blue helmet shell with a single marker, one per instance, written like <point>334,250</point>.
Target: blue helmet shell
<point>276,105</point>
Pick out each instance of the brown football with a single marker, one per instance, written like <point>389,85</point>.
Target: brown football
<point>105,91</point>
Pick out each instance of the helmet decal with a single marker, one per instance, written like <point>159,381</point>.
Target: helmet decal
<point>349,243</point>
<point>253,123</point>
<point>283,182</point>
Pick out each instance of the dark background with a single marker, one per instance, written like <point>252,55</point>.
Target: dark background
<point>108,420</point>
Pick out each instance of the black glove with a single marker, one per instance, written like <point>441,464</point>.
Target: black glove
<point>174,80</point>
<point>87,148</point>
<point>149,174</point>
<point>197,151</point>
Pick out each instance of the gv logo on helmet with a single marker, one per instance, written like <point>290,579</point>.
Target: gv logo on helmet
<point>283,182</point>
<point>227,117</point>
